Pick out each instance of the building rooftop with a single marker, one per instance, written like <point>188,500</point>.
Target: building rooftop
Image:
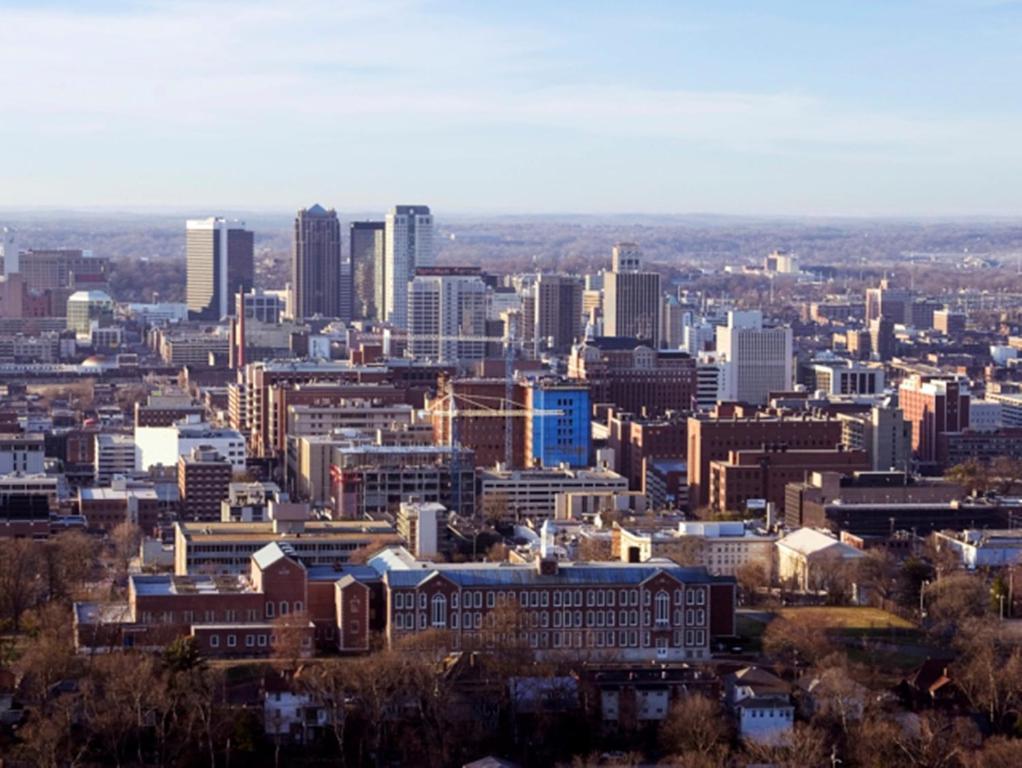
<point>263,531</point>
<point>155,586</point>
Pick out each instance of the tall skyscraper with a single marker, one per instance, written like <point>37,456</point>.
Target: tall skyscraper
<point>557,319</point>
<point>220,263</point>
<point>444,303</point>
<point>408,245</point>
<point>9,241</point>
<point>631,297</point>
<point>316,263</point>
<point>366,240</point>
<point>758,359</point>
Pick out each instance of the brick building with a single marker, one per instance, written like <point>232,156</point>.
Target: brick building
<point>482,433</point>
<point>637,441</point>
<point>203,481</point>
<point>728,428</point>
<point>933,405</point>
<point>624,612</point>
<point>764,473</point>
<point>634,377</point>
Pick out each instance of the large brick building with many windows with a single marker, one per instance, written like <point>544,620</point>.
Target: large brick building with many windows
<point>620,611</point>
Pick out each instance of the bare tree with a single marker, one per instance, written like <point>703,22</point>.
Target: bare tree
<point>20,585</point>
<point>696,726</point>
<point>752,577</point>
<point>795,641</point>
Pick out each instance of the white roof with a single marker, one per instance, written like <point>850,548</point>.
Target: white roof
<point>809,541</point>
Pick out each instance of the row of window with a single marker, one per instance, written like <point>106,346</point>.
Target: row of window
<point>252,640</point>
<point>540,598</point>
<point>438,617</point>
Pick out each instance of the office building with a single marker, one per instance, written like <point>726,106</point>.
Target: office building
<point>221,547</point>
<point>893,303</point>
<point>203,482</point>
<point>763,474</point>
<point>634,377</point>
<point>88,311</point>
<point>445,303</point>
<point>758,358</point>
<point>933,406</point>
<point>408,245</point>
<point>631,297</point>
<point>883,433</point>
<point>11,254</point>
<point>166,445</point>
<point>316,263</point>
<point>556,302</point>
<point>557,427</point>
<point>847,377</point>
<point>114,455</point>
<point>882,341</point>
<point>124,501</point>
<point>948,322</point>
<point>220,257</point>
<point>712,437</point>
<point>366,243</point>
<point>417,525</point>
<point>531,494</point>
<point>22,453</point>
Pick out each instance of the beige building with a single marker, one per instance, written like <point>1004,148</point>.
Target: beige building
<point>532,493</point>
<point>721,547</point>
<point>809,559</point>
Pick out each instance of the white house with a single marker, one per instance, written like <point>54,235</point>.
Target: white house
<point>807,558</point>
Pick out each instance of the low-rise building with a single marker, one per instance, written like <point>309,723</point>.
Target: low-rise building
<point>531,494</point>
<point>810,560</point>
<point>983,549</point>
<point>123,501</point>
<point>204,547</point>
<point>721,547</point>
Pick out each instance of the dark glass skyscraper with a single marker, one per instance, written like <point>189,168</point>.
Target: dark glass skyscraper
<point>367,268</point>
<point>316,263</point>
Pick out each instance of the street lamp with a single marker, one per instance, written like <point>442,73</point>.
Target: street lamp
<point>922,593</point>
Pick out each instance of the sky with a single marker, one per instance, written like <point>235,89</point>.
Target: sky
<point>864,108</point>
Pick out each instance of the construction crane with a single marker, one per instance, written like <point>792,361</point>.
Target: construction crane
<point>506,409</point>
<point>509,343</point>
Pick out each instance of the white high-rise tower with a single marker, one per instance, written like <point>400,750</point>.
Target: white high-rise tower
<point>9,241</point>
<point>758,359</point>
<point>408,244</point>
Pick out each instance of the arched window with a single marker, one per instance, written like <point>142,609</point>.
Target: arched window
<point>439,611</point>
<point>663,605</point>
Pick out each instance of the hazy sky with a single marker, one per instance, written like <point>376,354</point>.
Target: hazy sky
<point>819,107</point>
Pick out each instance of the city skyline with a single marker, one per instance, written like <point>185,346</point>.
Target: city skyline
<point>842,110</point>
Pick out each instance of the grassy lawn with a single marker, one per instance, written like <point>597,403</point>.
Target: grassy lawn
<point>850,619</point>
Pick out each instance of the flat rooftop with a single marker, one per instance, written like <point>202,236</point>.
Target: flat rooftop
<point>321,530</point>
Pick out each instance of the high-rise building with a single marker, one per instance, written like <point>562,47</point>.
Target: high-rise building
<point>408,245</point>
<point>220,263</point>
<point>631,297</point>
<point>443,304</point>
<point>892,303</point>
<point>366,240</point>
<point>9,241</point>
<point>882,340</point>
<point>933,406</point>
<point>758,359</point>
<point>558,430</point>
<point>316,263</point>
<point>557,318</point>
